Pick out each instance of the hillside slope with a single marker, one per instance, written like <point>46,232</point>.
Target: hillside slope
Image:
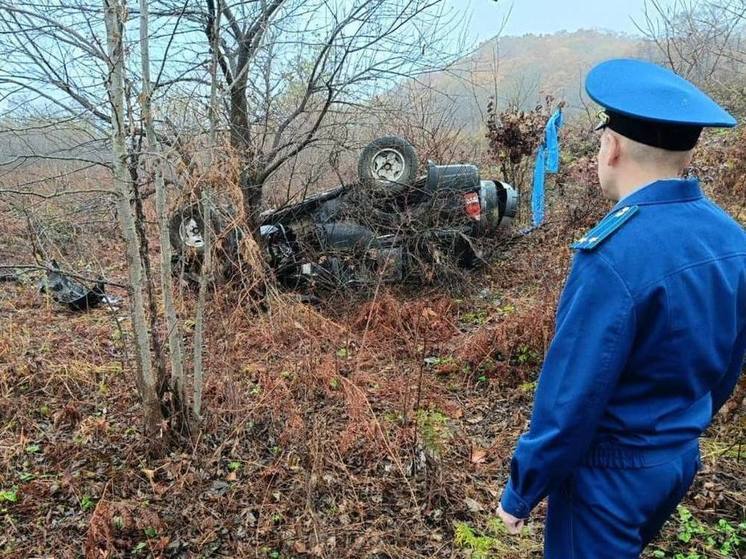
<point>525,69</point>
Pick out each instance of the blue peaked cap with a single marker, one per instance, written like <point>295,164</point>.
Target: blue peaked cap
<point>648,92</point>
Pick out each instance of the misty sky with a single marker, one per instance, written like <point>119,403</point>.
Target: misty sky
<point>548,16</point>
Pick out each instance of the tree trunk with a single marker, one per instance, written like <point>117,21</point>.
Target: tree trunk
<point>199,322</point>
<point>251,188</point>
<point>152,304</point>
<point>198,371</point>
<point>240,131</point>
<point>146,381</point>
<point>251,193</point>
<point>172,324</point>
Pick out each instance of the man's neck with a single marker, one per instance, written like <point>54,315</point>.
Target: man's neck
<point>638,181</point>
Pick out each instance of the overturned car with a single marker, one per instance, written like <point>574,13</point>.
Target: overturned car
<point>390,226</point>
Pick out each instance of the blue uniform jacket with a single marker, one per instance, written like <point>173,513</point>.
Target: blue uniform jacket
<point>649,342</point>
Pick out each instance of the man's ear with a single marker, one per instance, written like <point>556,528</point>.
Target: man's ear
<point>613,149</point>
<point>688,159</point>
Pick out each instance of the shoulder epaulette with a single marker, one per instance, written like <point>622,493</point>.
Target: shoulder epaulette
<point>605,228</point>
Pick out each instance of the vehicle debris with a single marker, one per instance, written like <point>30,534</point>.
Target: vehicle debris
<point>72,293</point>
<point>390,226</point>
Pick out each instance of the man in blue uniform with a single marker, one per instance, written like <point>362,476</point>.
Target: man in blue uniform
<point>650,335</point>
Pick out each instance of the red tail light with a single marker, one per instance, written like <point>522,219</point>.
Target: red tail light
<point>472,206</point>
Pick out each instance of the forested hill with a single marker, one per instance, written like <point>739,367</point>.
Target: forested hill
<point>529,67</point>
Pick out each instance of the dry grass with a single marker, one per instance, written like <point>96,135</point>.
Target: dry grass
<point>359,430</point>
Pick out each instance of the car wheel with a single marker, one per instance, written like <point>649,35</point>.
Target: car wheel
<point>389,162</point>
<point>186,229</point>
<point>186,232</point>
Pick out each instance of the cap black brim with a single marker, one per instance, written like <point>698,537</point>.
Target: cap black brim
<point>663,135</point>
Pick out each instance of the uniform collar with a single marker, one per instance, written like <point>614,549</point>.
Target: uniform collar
<point>663,192</point>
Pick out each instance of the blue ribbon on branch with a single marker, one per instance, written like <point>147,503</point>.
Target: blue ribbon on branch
<point>547,161</point>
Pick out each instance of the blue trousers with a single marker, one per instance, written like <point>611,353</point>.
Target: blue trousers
<point>613,512</point>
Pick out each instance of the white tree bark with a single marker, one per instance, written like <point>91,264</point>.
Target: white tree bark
<point>114,15</point>
<point>199,325</point>
<point>156,153</point>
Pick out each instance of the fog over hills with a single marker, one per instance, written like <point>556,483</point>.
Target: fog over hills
<point>525,69</point>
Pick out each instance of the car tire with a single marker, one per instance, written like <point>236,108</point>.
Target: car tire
<point>390,163</point>
<point>185,229</point>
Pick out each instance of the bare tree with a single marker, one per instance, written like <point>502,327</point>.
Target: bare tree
<point>178,384</point>
<point>204,280</point>
<point>703,40</point>
<point>274,78</point>
<point>68,63</point>
<point>114,16</point>
<point>294,71</point>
